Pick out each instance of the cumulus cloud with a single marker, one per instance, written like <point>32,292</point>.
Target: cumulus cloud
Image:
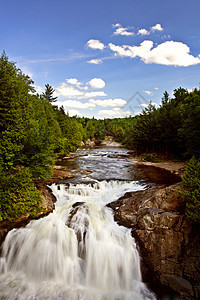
<point>109,102</point>
<point>75,89</point>
<point>75,104</point>
<point>68,91</point>
<point>122,30</point>
<point>156,88</point>
<point>132,51</point>
<point>95,44</point>
<point>167,53</point>
<point>143,32</point>
<point>78,84</point>
<point>73,81</point>
<point>94,94</point>
<point>74,112</point>
<point>115,112</point>
<point>157,27</point>
<point>95,61</point>
<point>97,83</point>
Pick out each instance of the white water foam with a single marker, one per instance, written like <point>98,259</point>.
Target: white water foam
<point>77,252</point>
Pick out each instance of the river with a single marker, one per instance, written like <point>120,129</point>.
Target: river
<point>79,252</point>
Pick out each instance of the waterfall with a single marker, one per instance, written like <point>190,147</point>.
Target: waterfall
<point>77,252</point>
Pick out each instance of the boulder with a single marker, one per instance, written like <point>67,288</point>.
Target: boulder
<point>169,244</point>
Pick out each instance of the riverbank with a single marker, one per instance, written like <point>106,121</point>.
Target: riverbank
<point>173,167</point>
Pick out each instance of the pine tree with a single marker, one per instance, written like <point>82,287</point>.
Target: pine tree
<point>48,94</point>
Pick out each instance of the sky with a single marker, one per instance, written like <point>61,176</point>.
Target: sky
<point>105,58</point>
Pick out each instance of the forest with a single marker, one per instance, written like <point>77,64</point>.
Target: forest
<point>34,131</point>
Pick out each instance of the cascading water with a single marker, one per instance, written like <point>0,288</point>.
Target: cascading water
<point>76,253</point>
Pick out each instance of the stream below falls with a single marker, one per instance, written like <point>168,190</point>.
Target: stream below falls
<point>78,252</point>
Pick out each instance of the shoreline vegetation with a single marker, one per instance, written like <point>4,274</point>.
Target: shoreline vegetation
<point>34,132</point>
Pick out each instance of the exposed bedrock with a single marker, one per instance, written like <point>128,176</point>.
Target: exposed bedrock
<point>169,244</point>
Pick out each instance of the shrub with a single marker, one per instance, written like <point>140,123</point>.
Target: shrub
<point>150,157</point>
<point>190,191</point>
<point>18,194</point>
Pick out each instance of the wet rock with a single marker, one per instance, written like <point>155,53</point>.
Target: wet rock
<point>48,199</point>
<point>79,222</point>
<point>77,204</point>
<point>90,143</point>
<point>110,142</point>
<point>178,284</point>
<point>169,244</point>
<point>86,172</point>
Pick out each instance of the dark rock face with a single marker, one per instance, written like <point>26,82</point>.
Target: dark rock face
<point>169,244</point>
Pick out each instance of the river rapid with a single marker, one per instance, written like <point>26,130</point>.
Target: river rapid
<point>78,252</point>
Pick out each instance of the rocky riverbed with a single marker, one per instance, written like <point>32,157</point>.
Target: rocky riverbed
<point>168,244</point>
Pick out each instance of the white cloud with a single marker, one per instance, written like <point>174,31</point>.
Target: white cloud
<point>38,89</point>
<point>115,112</point>
<point>94,94</point>
<point>116,25</point>
<point>148,92</point>
<point>97,83</point>
<point>156,88</point>
<point>167,53</point>
<point>190,90</point>
<point>122,30</point>
<point>95,44</point>
<point>146,105</point>
<point>157,27</point>
<point>109,102</point>
<point>143,32</point>
<point>75,89</point>
<point>75,104</point>
<point>95,61</point>
<point>132,51</point>
<point>74,112</point>
<point>78,84</point>
<point>171,53</point>
<point>73,81</point>
<point>68,91</point>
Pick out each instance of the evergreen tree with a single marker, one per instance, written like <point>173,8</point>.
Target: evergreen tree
<point>48,94</point>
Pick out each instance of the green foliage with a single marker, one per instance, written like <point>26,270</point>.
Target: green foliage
<point>151,157</point>
<point>48,94</point>
<point>18,194</point>
<point>190,191</point>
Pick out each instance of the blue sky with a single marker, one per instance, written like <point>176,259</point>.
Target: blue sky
<point>104,58</point>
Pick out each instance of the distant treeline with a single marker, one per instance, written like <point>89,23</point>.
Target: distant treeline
<point>172,129</point>
<point>34,131</point>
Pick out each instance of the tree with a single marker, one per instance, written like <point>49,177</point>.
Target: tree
<point>48,94</point>
<point>190,192</point>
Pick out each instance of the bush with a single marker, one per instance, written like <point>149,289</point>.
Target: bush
<point>18,194</point>
<point>151,157</point>
<point>190,191</point>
